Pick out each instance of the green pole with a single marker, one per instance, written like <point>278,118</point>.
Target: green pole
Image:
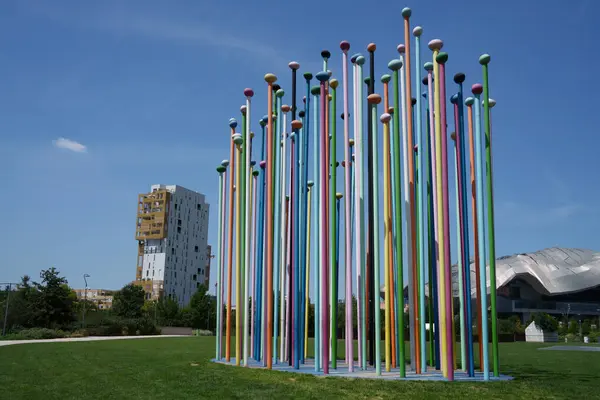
<point>484,61</point>
<point>395,65</point>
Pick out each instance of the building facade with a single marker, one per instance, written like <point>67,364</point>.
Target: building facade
<point>172,234</point>
<point>102,298</point>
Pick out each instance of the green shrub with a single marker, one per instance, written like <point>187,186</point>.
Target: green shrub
<point>202,332</point>
<point>36,333</point>
<point>79,333</point>
<point>571,337</point>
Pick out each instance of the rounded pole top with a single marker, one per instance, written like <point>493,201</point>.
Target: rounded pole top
<point>395,64</point>
<point>424,94</point>
<point>338,195</point>
<point>329,72</point>
<point>294,65</point>
<point>492,103</point>
<point>232,123</point>
<point>248,92</point>
<point>453,136</point>
<point>435,44</point>
<point>276,87</point>
<point>292,136</point>
<point>401,48</point>
<point>385,118</point>
<point>334,84</point>
<point>353,58</point>
<point>367,80</point>
<point>285,108</point>
<point>243,109</point>
<point>442,57</point>
<point>417,31</point>
<point>374,98</point>
<point>413,101</point>
<point>484,59</point>
<point>425,81</point>
<point>360,60</point>
<point>469,101</point>
<point>270,78</point>
<point>301,114</point>
<point>345,46</point>
<point>225,163</point>
<point>350,142</point>
<point>237,138</point>
<point>262,123</point>
<point>406,12</point>
<point>315,90</point>
<point>262,164</point>
<point>255,173</point>
<point>308,76</point>
<point>477,89</point>
<point>385,78</point>
<point>329,97</point>
<point>454,99</point>
<point>310,183</point>
<point>326,54</point>
<point>371,47</point>
<point>459,78</point>
<point>296,124</point>
<point>391,110</point>
<point>221,169</point>
<point>279,93</point>
<point>428,66</point>
<point>322,76</point>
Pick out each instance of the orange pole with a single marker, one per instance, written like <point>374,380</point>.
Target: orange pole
<point>475,230</point>
<point>411,179</point>
<point>230,244</point>
<point>270,79</point>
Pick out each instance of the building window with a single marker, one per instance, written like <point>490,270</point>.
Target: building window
<point>178,229</point>
<point>172,251</point>
<point>196,249</point>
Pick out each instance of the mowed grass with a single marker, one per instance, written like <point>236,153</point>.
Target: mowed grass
<point>180,368</point>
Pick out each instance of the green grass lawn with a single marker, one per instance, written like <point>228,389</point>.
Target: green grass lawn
<point>179,368</point>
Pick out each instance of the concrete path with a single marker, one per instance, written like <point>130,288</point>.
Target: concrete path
<point>572,348</point>
<point>83,339</point>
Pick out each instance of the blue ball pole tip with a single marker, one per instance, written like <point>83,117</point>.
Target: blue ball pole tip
<point>308,76</point>
<point>385,118</point>
<point>413,101</point>
<point>442,57</point>
<point>285,108</point>
<point>401,48</point>
<point>417,31</point>
<point>374,98</point>
<point>469,101</point>
<point>406,12</point>
<point>428,66</point>
<point>262,164</point>
<point>424,81</point>
<point>459,78</point>
<point>395,65</point>
<point>371,47</point>
<point>325,54</point>
<point>344,46</point>
<point>237,138</point>
<point>424,94</point>
<point>252,163</point>
<point>243,109</point>
<point>454,99</point>
<point>334,84</point>
<point>367,80</point>
<point>294,65</point>
<point>353,59</point>
<point>322,76</point>
<point>262,123</point>
<point>221,169</point>
<point>301,114</point>
<point>270,78</point>
<point>279,93</point>
<point>385,78</point>
<point>248,92</point>
<point>310,183</point>
<point>296,124</point>
<point>484,59</point>
<point>315,90</point>
<point>360,60</point>
<point>292,136</point>
<point>477,88</point>
<point>435,44</point>
<point>232,123</point>
<point>265,118</point>
<point>225,163</point>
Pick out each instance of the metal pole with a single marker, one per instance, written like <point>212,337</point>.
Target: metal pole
<point>6,309</point>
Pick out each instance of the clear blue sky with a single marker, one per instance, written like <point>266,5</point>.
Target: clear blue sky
<point>147,87</point>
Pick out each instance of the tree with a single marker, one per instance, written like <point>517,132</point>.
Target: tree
<point>203,309</point>
<point>128,301</point>
<point>168,312</point>
<point>53,304</point>
<point>545,322</point>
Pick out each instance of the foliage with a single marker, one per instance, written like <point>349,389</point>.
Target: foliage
<point>202,310</point>
<point>36,333</point>
<point>202,332</point>
<point>545,322</point>
<point>128,301</point>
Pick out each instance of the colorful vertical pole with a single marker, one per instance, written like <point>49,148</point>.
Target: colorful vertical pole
<point>333,84</point>
<point>221,169</point>
<point>248,177</point>
<point>315,91</point>
<point>232,125</point>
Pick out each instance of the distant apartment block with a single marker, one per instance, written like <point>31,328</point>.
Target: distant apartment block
<point>102,298</point>
<point>172,233</point>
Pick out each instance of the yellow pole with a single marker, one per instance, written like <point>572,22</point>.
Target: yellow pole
<point>386,226</point>
<point>238,265</point>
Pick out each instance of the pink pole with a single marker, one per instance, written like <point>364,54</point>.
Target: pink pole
<point>253,279</point>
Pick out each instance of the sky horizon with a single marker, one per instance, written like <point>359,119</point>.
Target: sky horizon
<point>103,100</point>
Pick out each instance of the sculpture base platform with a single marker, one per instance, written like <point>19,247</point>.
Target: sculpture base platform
<point>342,372</point>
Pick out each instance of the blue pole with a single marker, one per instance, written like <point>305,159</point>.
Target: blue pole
<point>296,264</point>
<point>259,252</point>
<point>277,138</point>
<point>315,199</point>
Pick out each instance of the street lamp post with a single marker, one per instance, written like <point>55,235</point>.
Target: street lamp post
<point>84,298</point>
<point>9,288</point>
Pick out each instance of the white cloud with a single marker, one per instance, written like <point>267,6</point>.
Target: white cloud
<point>68,144</point>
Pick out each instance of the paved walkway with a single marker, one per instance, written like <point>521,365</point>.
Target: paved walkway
<point>83,339</point>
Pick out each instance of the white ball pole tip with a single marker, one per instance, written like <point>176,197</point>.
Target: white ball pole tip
<point>436,44</point>
<point>417,31</point>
